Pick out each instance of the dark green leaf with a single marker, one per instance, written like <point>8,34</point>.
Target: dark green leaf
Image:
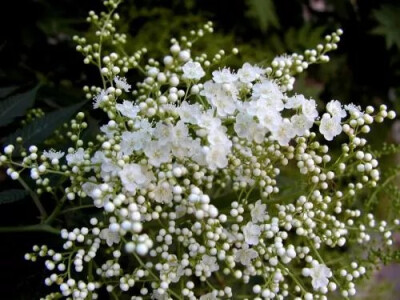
<point>263,11</point>
<point>5,91</point>
<point>12,195</point>
<point>40,129</point>
<point>16,106</point>
<point>388,17</point>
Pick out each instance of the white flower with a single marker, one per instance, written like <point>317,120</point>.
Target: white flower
<point>330,127</point>
<point>309,109</point>
<point>193,70</point>
<point>336,110</point>
<point>53,154</point>
<point>354,110</point>
<point>245,256</point>
<point>163,192</point>
<point>209,263</point>
<point>209,296</point>
<point>246,127</point>
<point>224,76</point>
<point>319,274</point>
<point>258,212</point>
<point>269,92</point>
<point>284,133</point>
<point>109,236</point>
<point>189,113</point>
<point>100,98</point>
<point>216,157</point>
<point>251,233</point>
<point>295,102</point>
<point>134,176</point>
<point>270,119</point>
<point>128,109</point>
<point>300,124</point>
<point>248,73</point>
<point>77,157</point>
<point>157,153</point>
<point>133,141</point>
<point>121,83</point>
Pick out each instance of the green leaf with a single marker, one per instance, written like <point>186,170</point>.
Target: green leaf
<point>5,91</point>
<point>40,129</point>
<point>12,195</point>
<point>263,11</point>
<point>388,17</point>
<point>16,106</point>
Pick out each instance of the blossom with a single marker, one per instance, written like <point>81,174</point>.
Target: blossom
<point>193,70</point>
<point>309,109</point>
<point>128,109</point>
<point>245,256</point>
<point>109,236</point>
<point>335,108</point>
<point>209,263</point>
<point>251,233</point>
<point>53,154</point>
<point>330,127</point>
<point>270,94</point>
<point>319,274</point>
<point>224,76</point>
<point>209,296</point>
<point>189,113</point>
<point>77,157</point>
<point>163,192</point>
<point>300,124</point>
<point>258,212</point>
<point>157,153</point>
<point>284,133</point>
<point>134,176</point>
<point>248,73</point>
<point>100,98</point>
<point>121,83</point>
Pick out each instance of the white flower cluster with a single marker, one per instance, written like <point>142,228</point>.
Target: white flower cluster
<point>187,174</point>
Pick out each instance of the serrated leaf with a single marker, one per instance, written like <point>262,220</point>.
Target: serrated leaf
<point>5,91</point>
<point>16,106</point>
<point>40,129</point>
<point>388,17</point>
<point>12,195</point>
<point>263,11</point>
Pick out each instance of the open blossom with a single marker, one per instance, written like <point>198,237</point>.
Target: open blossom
<point>258,213</point>
<point>193,70</point>
<point>251,233</point>
<point>109,236</point>
<point>100,98</point>
<point>163,192</point>
<point>224,76</point>
<point>128,109</point>
<point>53,154</point>
<point>335,109</point>
<point>269,93</point>
<point>77,157</point>
<point>134,176</point>
<point>209,263</point>
<point>245,256</point>
<point>319,274</point>
<point>301,124</point>
<point>330,127</point>
<point>248,73</point>
<point>121,83</point>
<point>284,132</point>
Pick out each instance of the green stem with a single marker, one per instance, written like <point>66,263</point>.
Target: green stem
<point>56,211</point>
<point>31,228</point>
<point>35,198</point>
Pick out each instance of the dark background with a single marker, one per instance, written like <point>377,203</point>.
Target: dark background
<point>36,47</point>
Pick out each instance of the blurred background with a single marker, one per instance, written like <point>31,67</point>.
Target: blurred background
<point>37,48</point>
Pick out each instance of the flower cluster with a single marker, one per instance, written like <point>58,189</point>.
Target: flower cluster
<point>187,174</point>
